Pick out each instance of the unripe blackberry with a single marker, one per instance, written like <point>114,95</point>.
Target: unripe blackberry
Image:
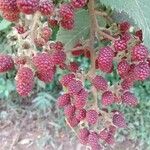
<point>46,33</point>
<point>93,139</point>
<point>24,81</point>
<point>123,68</point>
<point>66,79</point>
<point>58,57</point>
<point>91,116</point>
<point>12,17</point>
<point>124,26</point>
<point>103,134</point>
<point>39,42</point>
<point>126,36</point>
<point>9,6</point>
<point>120,45</point>
<point>78,3</point>
<point>100,83</point>
<point>139,52</point>
<point>129,99</point>
<point>105,59</point>
<point>46,75</point>
<point>126,84</point>
<point>46,7</point>
<point>80,114</point>
<point>73,67</point>
<point>74,86</point>
<point>142,71</point>
<point>20,60</point>
<point>73,121</point>
<point>66,12</point>
<point>52,22</point>
<point>43,61</point>
<point>139,34</point>
<point>20,29</point>
<point>110,139</point>
<point>112,129</point>
<point>80,103</point>
<point>83,135</point>
<point>67,24</point>
<point>28,6</point>
<point>107,98</point>
<point>77,53</point>
<point>69,111</point>
<point>6,63</point>
<point>57,46</point>
<point>63,100</point>
<point>119,120</point>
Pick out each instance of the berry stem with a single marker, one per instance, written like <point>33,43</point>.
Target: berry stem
<point>33,28</point>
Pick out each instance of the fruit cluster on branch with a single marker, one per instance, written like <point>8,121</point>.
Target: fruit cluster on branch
<point>39,57</point>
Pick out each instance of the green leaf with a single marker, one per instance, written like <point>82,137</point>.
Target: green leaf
<point>81,30</point>
<point>4,24</point>
<point>138,10</point>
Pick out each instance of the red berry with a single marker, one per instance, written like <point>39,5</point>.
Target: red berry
<point>73,67</point>
<point>81,99</point>
<point>69,111</point>
<point>120,45</point>
<point>46,75</point>
<point>67,24</point>
<point>20,60</point>
<point>20,29</point>
<point>123,68</point>
<point>24,81</point>
<point>52,22</point>
<point>119,120</point>
<point>139,52</point>
<point>66,12</point>
<point>6,63</point>
<point>74,86</point>
<point>91,116</point>
<point>93,139</point>
<point>9,6</point>
<point>78,3</point>
<point>83,135</point>
<point>43,61</point>
<point>66,79</point>
<point>110,139</point>
<point>73,121</point>
<point>77,52</point>
<point>63,100</point>
<point>139,34</point>
<point>46,7</point>
<point>12,17</point>
<point>107,98</point>
<point>124,26</point>
<point>126,84</point>
<point>126,36</point>
<point>129,99</point>
<point>46,33</point>
<point>100,83</point>
<point>112,129</point>
<point>57,46</point>
<point>103,134</point>
<point>142,71</point>
<point>58,57</point>
<point>80,114</point>
<point>39,42</point>
<point>105,59</point>
<point>28,6</point>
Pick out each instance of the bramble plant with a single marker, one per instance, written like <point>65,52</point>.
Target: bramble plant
<point>84,29</point>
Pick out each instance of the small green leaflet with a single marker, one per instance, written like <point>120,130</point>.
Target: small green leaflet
<point>81,30</point>
<point>4,24</point>
<point>139,10</point>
